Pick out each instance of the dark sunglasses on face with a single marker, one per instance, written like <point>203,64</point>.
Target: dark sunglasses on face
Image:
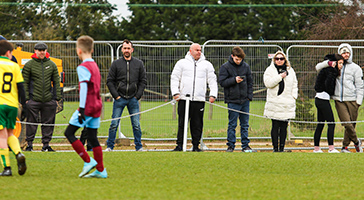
<point>279,58</point>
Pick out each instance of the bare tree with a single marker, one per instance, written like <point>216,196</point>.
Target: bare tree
<point>345,22</point>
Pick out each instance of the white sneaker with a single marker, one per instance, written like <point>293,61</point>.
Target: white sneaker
<point>334,151</point>
<point>345,150</point>
<point>358,147</point>
<point>141,149</point>
<point>108,149</point>
<point>318,151</point>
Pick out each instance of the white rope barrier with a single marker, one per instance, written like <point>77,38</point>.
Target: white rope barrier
<point>106,120</point>
<point>295,121</point>
<point>220,106</point>
<point>170,102</point>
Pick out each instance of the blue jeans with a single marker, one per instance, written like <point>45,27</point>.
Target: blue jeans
<point>117,110</point>
<point>244,124</point>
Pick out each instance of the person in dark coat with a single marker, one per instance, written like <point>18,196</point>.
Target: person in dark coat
<point>126,82</point>
<point>236,78</point>
<point>325,87</point>
<point>42,90</point>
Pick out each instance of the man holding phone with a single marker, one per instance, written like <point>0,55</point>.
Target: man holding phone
<point>236,78</point>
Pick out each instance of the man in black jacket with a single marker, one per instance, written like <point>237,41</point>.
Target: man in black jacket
<point>126,82</point>
<point>236,78</point>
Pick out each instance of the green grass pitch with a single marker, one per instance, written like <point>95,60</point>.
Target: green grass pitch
<point>190,175</point>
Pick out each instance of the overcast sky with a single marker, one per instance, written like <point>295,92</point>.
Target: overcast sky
<point>122,7</point>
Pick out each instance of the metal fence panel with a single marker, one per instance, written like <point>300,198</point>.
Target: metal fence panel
<point>257,57</point>
<point>66,51</point>
<point>159,58</point>
<point>304,59</point>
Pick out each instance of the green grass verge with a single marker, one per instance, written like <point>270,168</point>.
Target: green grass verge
<point>159,123</point>
<point>190,175</point>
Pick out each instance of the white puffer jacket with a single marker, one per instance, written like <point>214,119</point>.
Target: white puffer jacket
<point>190,77</point>
<point>281,106</point>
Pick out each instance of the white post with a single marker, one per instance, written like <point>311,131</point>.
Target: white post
<point>187,108</point>
<point>121,135</point>
<point>290,134</point>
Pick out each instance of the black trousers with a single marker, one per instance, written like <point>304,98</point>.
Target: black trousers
<point>324,113</point>
<point>84,139</point>
<point>195,117</point>
<point>47,111</point>
<point>279,129</point>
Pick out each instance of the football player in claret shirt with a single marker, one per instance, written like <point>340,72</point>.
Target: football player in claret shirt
<point>88,113</point>
<point>11,90</point>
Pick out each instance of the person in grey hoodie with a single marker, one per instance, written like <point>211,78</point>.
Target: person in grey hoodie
<point>348,95</point>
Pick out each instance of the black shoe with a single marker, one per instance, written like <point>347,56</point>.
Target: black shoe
<point>6,172</point>
<point>48,148</point>
<point>281,148</point>
<point>89,147</point>
<point>22,167</point>
<point>29,148</point>
<point>196,149</point>
<point>230,149</point>
<point>275,149</point>
<point>248,149</point>
<point>178,148</point>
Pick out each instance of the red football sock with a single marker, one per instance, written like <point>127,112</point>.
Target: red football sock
<point>98,157</point>
<point>80,150</point>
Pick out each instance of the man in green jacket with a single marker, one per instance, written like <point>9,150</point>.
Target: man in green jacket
<point>41,82</point>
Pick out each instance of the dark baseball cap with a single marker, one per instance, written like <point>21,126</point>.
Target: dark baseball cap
<point>40,46</point>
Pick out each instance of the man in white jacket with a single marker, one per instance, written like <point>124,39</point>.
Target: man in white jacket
<point>189,77</point>
<point>348,95</point>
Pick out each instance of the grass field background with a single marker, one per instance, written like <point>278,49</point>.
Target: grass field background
<point>159,123</point>
<point>190,175</point>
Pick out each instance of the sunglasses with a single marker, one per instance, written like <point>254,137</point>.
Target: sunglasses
<point>279,58</point>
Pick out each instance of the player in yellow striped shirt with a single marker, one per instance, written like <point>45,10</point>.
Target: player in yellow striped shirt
<point>11,88</point>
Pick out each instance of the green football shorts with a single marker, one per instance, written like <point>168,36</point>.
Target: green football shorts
<point>8,116</point>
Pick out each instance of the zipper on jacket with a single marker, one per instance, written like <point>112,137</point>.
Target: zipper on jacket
<point>127,77</point>
<point>342,83</point>
<point>194,80</point>
<point>41,61</point>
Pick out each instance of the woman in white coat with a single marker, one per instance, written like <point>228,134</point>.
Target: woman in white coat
<point>281,81</point>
